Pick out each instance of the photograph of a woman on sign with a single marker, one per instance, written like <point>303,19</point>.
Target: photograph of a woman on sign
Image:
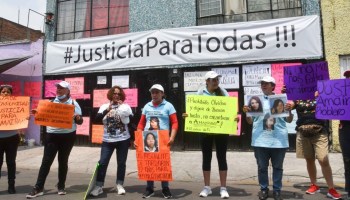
<point>277,104</point>
<point>269,122</point>
<point>255,105</point>
<point>154,123</point>
<point>150,141</point>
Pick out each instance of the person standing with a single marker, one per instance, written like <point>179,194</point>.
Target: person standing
<point>344,141</point>
<point>115,118</point>
<point>166,114</point>
<point>269,144</point>
<point>9,140</point>
<point>58,141</point>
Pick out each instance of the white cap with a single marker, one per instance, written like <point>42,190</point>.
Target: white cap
<point>63,84</point>
<point>211,74</point>
<point>157,87</point>
<point>268,79</point>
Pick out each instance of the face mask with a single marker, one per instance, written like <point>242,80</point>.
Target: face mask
<point>61,97</point>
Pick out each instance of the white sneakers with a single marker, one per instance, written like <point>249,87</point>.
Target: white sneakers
<point>207,191</point>
<point>96,191</point>
<point>120,189</point>
<point>224,193</point>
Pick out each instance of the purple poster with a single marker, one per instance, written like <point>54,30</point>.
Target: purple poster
<point>333,100</point>
<point>301,80</point>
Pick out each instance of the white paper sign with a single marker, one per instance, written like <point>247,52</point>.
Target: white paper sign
<point>230,77</point>
<point>122,81</point>
<point>194,80</point>
<point>255,90</point>
<point>252,74</point>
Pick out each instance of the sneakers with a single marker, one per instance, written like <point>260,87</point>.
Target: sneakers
<point>120,189</point>
<point>224,193</point>
<point>166,193</point>
<point>35,193</point>
<point>96,191</point>
<point>313,189</point>
<point>332,193</point>
<point>149,192</point>
<point>61,192</point>
<point>277,196</point>
<point>264,194</point>
<point>205,192</point>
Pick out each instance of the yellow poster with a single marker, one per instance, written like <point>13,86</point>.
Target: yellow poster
<point>14,111</point>
<point>211,114</point>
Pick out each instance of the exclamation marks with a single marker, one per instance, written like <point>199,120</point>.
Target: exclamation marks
<point>285,36</point>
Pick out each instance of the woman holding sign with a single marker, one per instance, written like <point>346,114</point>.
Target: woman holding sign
<point>9,141</point>
<point>115,117</point>
<point>165,112</point>
<point>58,141</point>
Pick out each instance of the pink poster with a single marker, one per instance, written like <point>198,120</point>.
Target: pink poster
<point>77,85</point>
<point>234,94</point>
<point>81,96</point>
<point>32,89</point>
<point>50,88</point>
<point>100,97</point>
<point>277,73</point>
<point>131,97</point>
<point>16,87</point>
<point>239,124</point>
<point>84,129</point>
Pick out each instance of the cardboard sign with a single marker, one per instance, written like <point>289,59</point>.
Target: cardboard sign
<point>154,165</point>
<point>301,80</point>
<point>84,129</point>
<point>54,114</point>
<point>211,114</point>
<point>333,100</point>
<point>97,134</point>
<point>14,112</point>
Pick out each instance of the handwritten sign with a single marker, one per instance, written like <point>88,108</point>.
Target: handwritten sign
<point>122,81</point>
<point>277,73</point>
<point>54,114</point>
<point>100,97</point>
<point>194,80</point>
<point>301,80</point>
<point>252,74</point>
<point>230,77</point>
<point>131,97</point>
<point>333,100</point>
<point>50,88</point>
<point>32,89</point>
<point>255,90</point>
<point>154,166</point>
<point>14,111</point>
<point>76,84</point>
<point>97,134</point>
<point>84,129</point>
<point>211,114</point>
<point>81,96</point>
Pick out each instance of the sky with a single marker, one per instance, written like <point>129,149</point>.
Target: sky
<point>17,11</point>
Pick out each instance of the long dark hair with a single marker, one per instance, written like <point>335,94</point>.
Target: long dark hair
<point>154,137</point>
<point>256,98</point>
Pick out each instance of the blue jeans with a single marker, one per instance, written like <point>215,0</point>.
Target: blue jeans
<point>107,149</point>
<point>344,138</point>
<point>263,156</point>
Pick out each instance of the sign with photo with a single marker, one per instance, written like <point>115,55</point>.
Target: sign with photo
<point>255,103</point>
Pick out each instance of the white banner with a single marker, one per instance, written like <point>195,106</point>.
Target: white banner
<point>275,39</point>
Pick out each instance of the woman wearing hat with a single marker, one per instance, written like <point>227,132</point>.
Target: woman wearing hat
<point>115,118</point>
<point>344,138</point>
<point>166,114</point>
<point>58,141</point>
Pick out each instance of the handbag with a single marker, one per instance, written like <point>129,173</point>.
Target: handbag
<point>310,130</point>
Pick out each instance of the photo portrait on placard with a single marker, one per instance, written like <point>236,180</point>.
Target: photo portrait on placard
<point>277,103</point>
<point>150,141</point>
<point>269,123</point>
<point>255,104</point>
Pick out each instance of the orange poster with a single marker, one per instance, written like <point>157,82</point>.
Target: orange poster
<point>97,134</point>
<point>54,114</point>
<point>153,155</point>
<point>14,111</point>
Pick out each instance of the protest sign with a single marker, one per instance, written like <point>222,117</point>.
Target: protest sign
<point>77,85</point>
<point>156,165</point>
<point>14,111</point>
<point>84,128</point>
<point>54,114</point>
<point>194,80</point>
<point>333,100</point>
<point>229,77</point>
<point>277,103</point>
<point>211,114</point>
<point>252,74</point>
<point>131,97</point>
<point>301,80</point>
<point>100,97</point>
<point>97,133</point>
<point>50,88</point>
<point>277,73</point>
<point>255,103</point>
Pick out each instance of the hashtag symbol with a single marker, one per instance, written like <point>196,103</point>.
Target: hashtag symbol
<point>68,55</point>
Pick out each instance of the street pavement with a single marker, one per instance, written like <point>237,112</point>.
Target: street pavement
<point>188,182</point>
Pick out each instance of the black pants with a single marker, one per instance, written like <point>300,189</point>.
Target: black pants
<point>9,146</point>
<point>344,141</point>
<point>221,149</point>
<point>56,143</point>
